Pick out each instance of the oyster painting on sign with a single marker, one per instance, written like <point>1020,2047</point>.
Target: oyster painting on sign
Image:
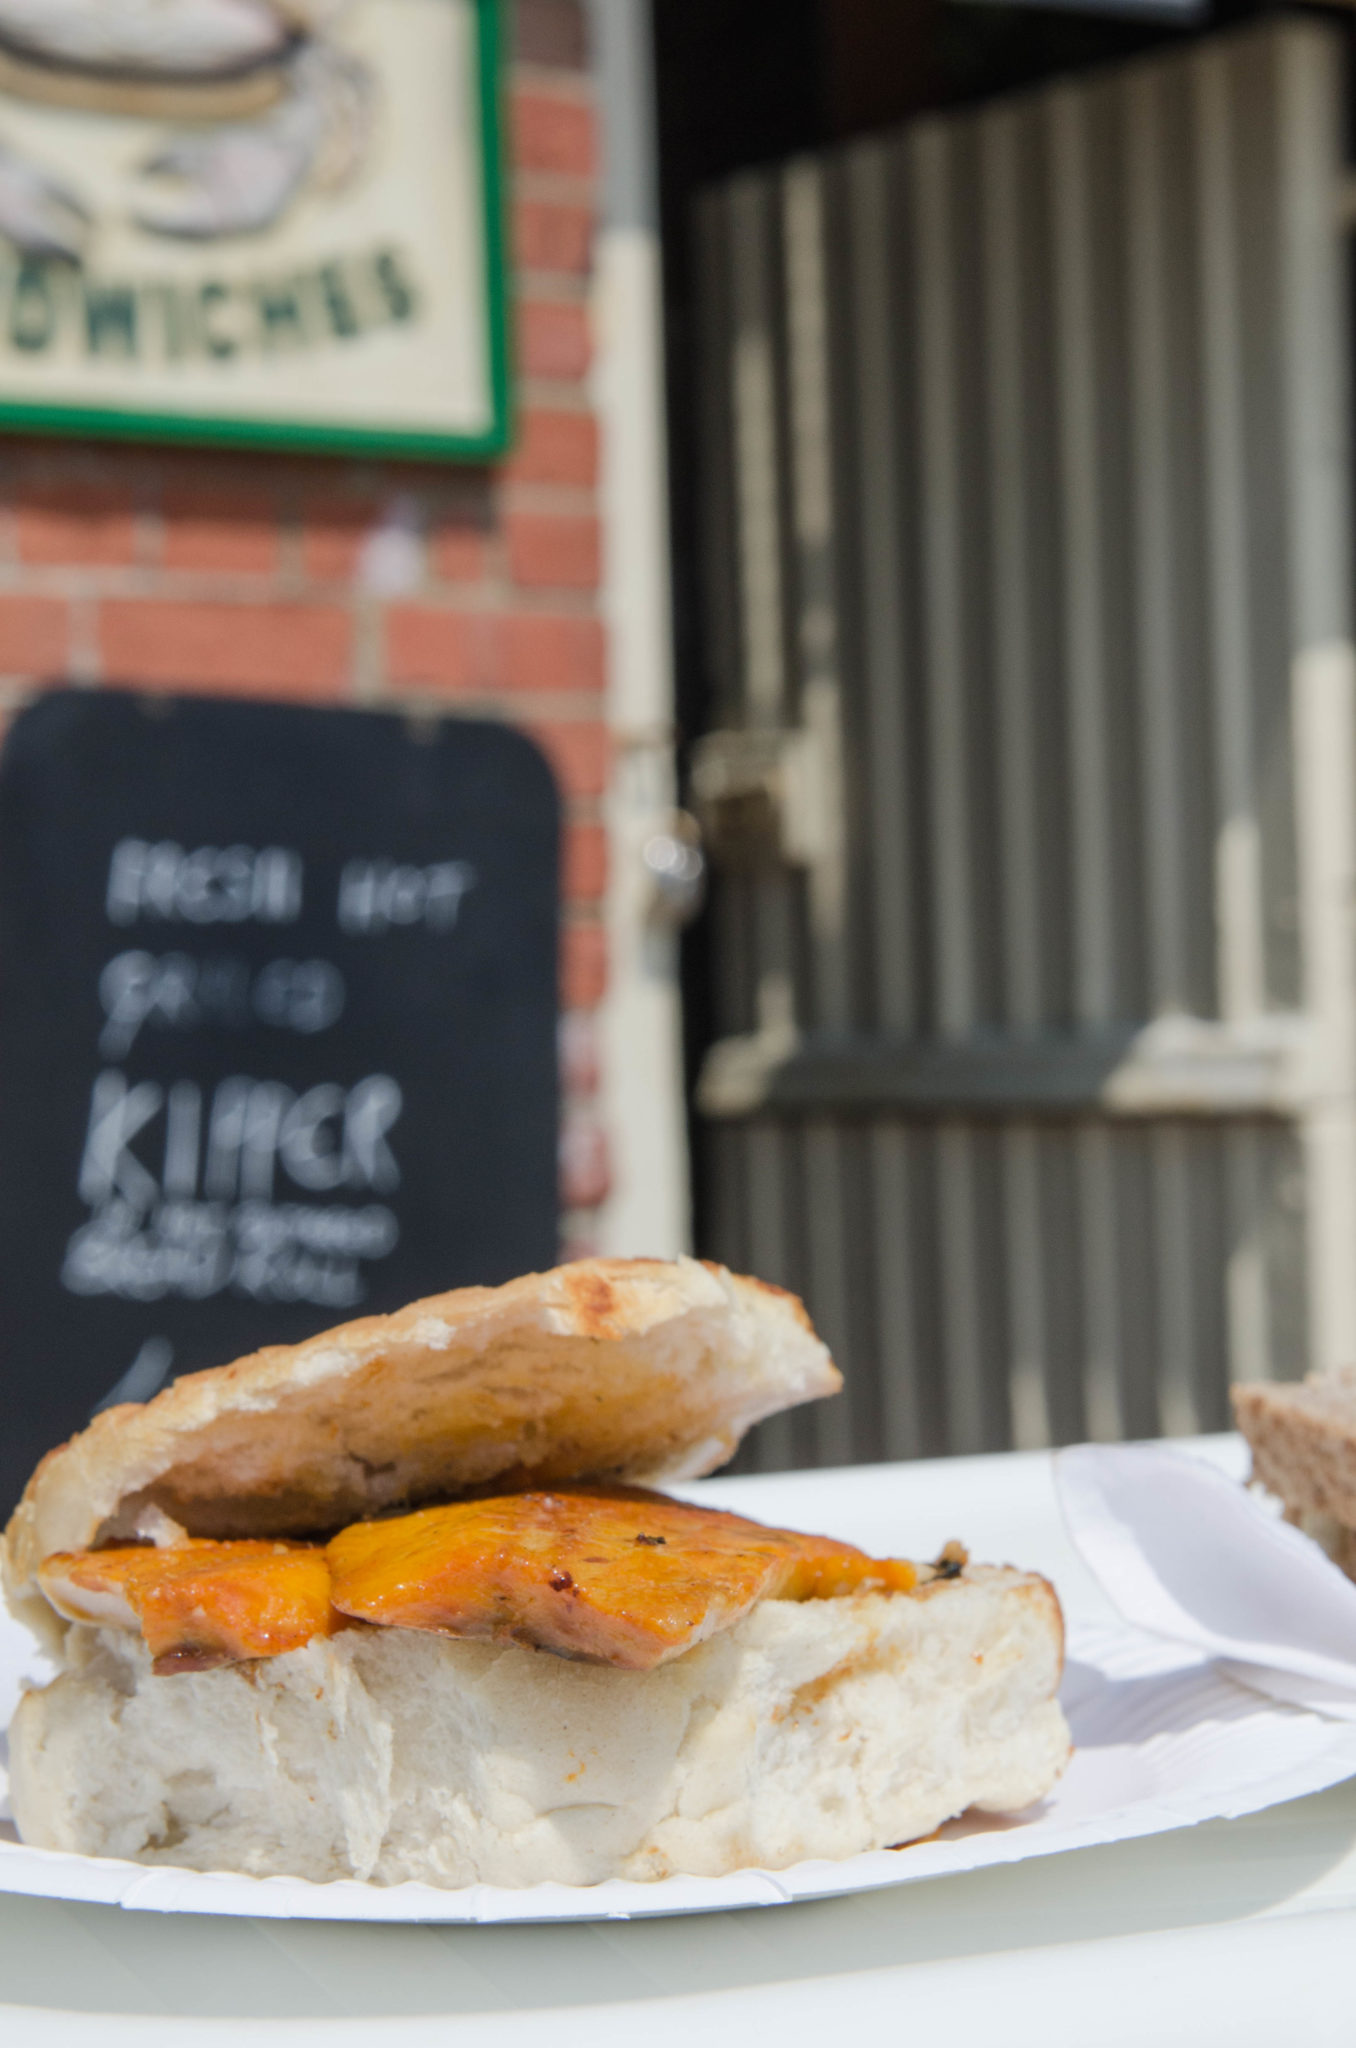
<point>267,221</point>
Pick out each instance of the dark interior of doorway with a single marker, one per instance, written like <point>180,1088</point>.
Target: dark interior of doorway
<point>744,82</point>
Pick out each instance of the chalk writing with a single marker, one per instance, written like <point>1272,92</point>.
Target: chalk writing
<point>211,885</point>
<point>145,1376</point>
<point>194,1212</point>
<point>276,1043</point>
<point>376,895</point>
<point>323,1140</point>
<point>194,1250</point>
<point>180,992</point>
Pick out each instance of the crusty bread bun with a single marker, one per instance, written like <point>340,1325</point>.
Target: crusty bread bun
<point>609,1369</point>
<point>814,1729</point>
<point>807,1726</point>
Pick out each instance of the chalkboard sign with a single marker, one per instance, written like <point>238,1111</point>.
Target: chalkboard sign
<point>277,1034</point>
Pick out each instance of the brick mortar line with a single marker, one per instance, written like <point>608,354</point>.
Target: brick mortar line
<point>527,494</point>
<point>500,595</point>
<point>275,589</point>
<point>563,711</point>
<point>367,674</point>
<point>558,288</point>
<point>553,394</point>
<point>83,651</point>
<point>569,188</point>
<point>148,535</point>
<point>513,707</point>
<point>539,285</point>
<point>509,707</point>
<point>553,188</point>
<point>66,582</point>
<point>232,587</point>
<point>340,591</point>
<point>142,482</point>
<point>291,569</point>
<point>567,82</point>
<point>496,595</point>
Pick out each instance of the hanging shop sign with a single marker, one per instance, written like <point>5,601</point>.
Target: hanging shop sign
<point>270,223</point>
<point>277,1034</point>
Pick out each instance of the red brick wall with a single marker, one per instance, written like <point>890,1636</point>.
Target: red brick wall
<point>474,590</point>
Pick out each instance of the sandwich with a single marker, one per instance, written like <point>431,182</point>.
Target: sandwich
<point>408,1602</point>
<point>1303,1442</point>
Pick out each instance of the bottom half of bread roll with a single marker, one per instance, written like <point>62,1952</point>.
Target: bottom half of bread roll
<point>810,1729</point>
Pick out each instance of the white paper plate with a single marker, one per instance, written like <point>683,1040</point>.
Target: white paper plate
<point>1163,1740</point>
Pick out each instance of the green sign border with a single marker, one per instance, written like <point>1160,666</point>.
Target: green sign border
<point>99,423</point>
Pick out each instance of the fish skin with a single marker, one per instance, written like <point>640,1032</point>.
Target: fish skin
<point>615,1576</point>
<point>609,1575</point>
<point>200,1603</point>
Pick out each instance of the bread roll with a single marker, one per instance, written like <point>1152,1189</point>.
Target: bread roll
<point>814,1729</point>
<point>609,1369</point>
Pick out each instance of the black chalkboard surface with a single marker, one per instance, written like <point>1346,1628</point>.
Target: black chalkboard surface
<point>277,1034</point>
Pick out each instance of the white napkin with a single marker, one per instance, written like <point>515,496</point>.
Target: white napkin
<point>1184,1552</point>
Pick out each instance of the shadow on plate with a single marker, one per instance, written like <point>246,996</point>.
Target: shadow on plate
<point>63,1957</point>
<point>1104,1712</point>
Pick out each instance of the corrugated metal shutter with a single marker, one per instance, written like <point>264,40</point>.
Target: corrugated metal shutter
<point>1028,541</point>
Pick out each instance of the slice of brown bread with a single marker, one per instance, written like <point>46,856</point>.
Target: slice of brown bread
<point>1303,1442</point>
<point>623,1369</point>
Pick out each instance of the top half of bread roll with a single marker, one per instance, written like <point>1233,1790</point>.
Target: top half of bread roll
<point>639,1370</point>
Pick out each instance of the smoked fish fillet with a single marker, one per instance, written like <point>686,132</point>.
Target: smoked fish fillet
<point>616,1576</point>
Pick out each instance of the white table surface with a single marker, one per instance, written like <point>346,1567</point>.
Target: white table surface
<point>1236,1931</point>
